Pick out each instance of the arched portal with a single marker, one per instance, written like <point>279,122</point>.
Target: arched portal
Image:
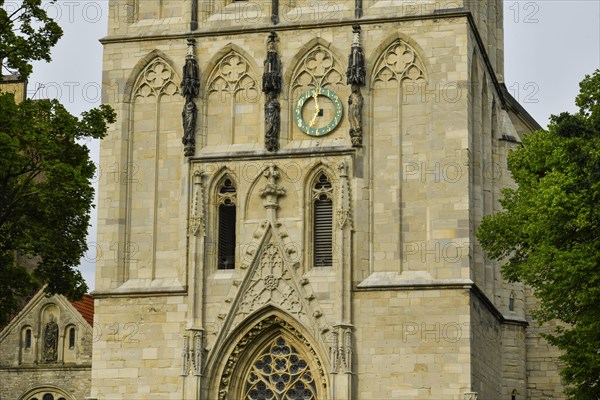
<point>273,361</point>
<point>48,392</point>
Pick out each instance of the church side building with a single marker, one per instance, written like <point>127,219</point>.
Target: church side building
<point>289,204</point>
<point>46,350</point>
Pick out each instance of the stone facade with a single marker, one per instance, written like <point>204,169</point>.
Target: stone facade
<point>46,350</point>
<point>12,84</point>
<point>354,262</point>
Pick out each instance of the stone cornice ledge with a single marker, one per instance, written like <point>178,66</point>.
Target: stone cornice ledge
<point>283,153</point>
<point>144,288</point>
<point>424,281</point>
<point>46,367</point>
<point>409,280</point>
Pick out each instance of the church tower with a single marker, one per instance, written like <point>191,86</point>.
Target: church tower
<point>289,200</point>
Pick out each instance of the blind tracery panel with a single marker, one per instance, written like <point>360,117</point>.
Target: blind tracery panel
<point>280,373</point>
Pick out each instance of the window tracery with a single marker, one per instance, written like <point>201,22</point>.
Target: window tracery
<point>398,62</point>
<point>156,78</point>
<point>231,75</point>
<point>280,373</point>
<point>318,68</point>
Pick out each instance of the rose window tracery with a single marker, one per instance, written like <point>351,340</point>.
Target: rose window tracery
<point>280,373</point>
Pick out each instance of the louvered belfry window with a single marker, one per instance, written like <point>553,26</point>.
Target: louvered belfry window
<point>322,222</point>
<point>227,218</point>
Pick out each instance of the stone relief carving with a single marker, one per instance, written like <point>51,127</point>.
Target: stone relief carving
<point>271,322</point>
<point>272,88</point>
<point>398,62</point>
<point>272,191</point>
<point>340,349</point>
<point>197,218</point>
<point>50,352</point>
<point>193,353</point>
<point>190,86</point>
<point>344,211</point>
<point>156,79</point>
<point>271,283</point>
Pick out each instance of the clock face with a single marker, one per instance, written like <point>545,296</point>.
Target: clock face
<point>318,111</point>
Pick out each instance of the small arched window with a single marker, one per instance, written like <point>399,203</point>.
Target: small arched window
<point>513,395</point>
<point>226,225</point>
<point>72,338</point>
<point>48,396</point>
<point>322,222</point>
<point>28,339</point>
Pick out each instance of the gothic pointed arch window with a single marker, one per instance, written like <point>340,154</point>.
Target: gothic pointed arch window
<point>322,221</point>
<point>226,203</point>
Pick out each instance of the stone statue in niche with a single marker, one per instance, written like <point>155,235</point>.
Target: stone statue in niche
<point>190,87</point>
<point>355,105</point>
<point>189,115</point>
<point>356,75</point>
<point>271,86</point>
<point>272,111</point>
<point>50,353</point>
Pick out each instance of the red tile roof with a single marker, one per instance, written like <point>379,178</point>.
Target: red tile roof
<point>85,307</point>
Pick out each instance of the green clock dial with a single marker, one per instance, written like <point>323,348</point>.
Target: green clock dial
<point>315,121</point>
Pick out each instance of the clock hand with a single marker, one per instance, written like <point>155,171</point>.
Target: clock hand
<point>317,109</point>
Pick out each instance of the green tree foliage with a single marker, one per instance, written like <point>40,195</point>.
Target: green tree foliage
<point>45,196</point>
<point>26,34</point>
<point>549,233</point>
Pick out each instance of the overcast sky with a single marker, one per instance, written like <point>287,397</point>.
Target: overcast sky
<point>550,45</point>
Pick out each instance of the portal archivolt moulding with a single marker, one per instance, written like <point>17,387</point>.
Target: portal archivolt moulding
<point>301,363</point>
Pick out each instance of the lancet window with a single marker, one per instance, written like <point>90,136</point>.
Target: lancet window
<point>227,196</point>
<point>322,222</point>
